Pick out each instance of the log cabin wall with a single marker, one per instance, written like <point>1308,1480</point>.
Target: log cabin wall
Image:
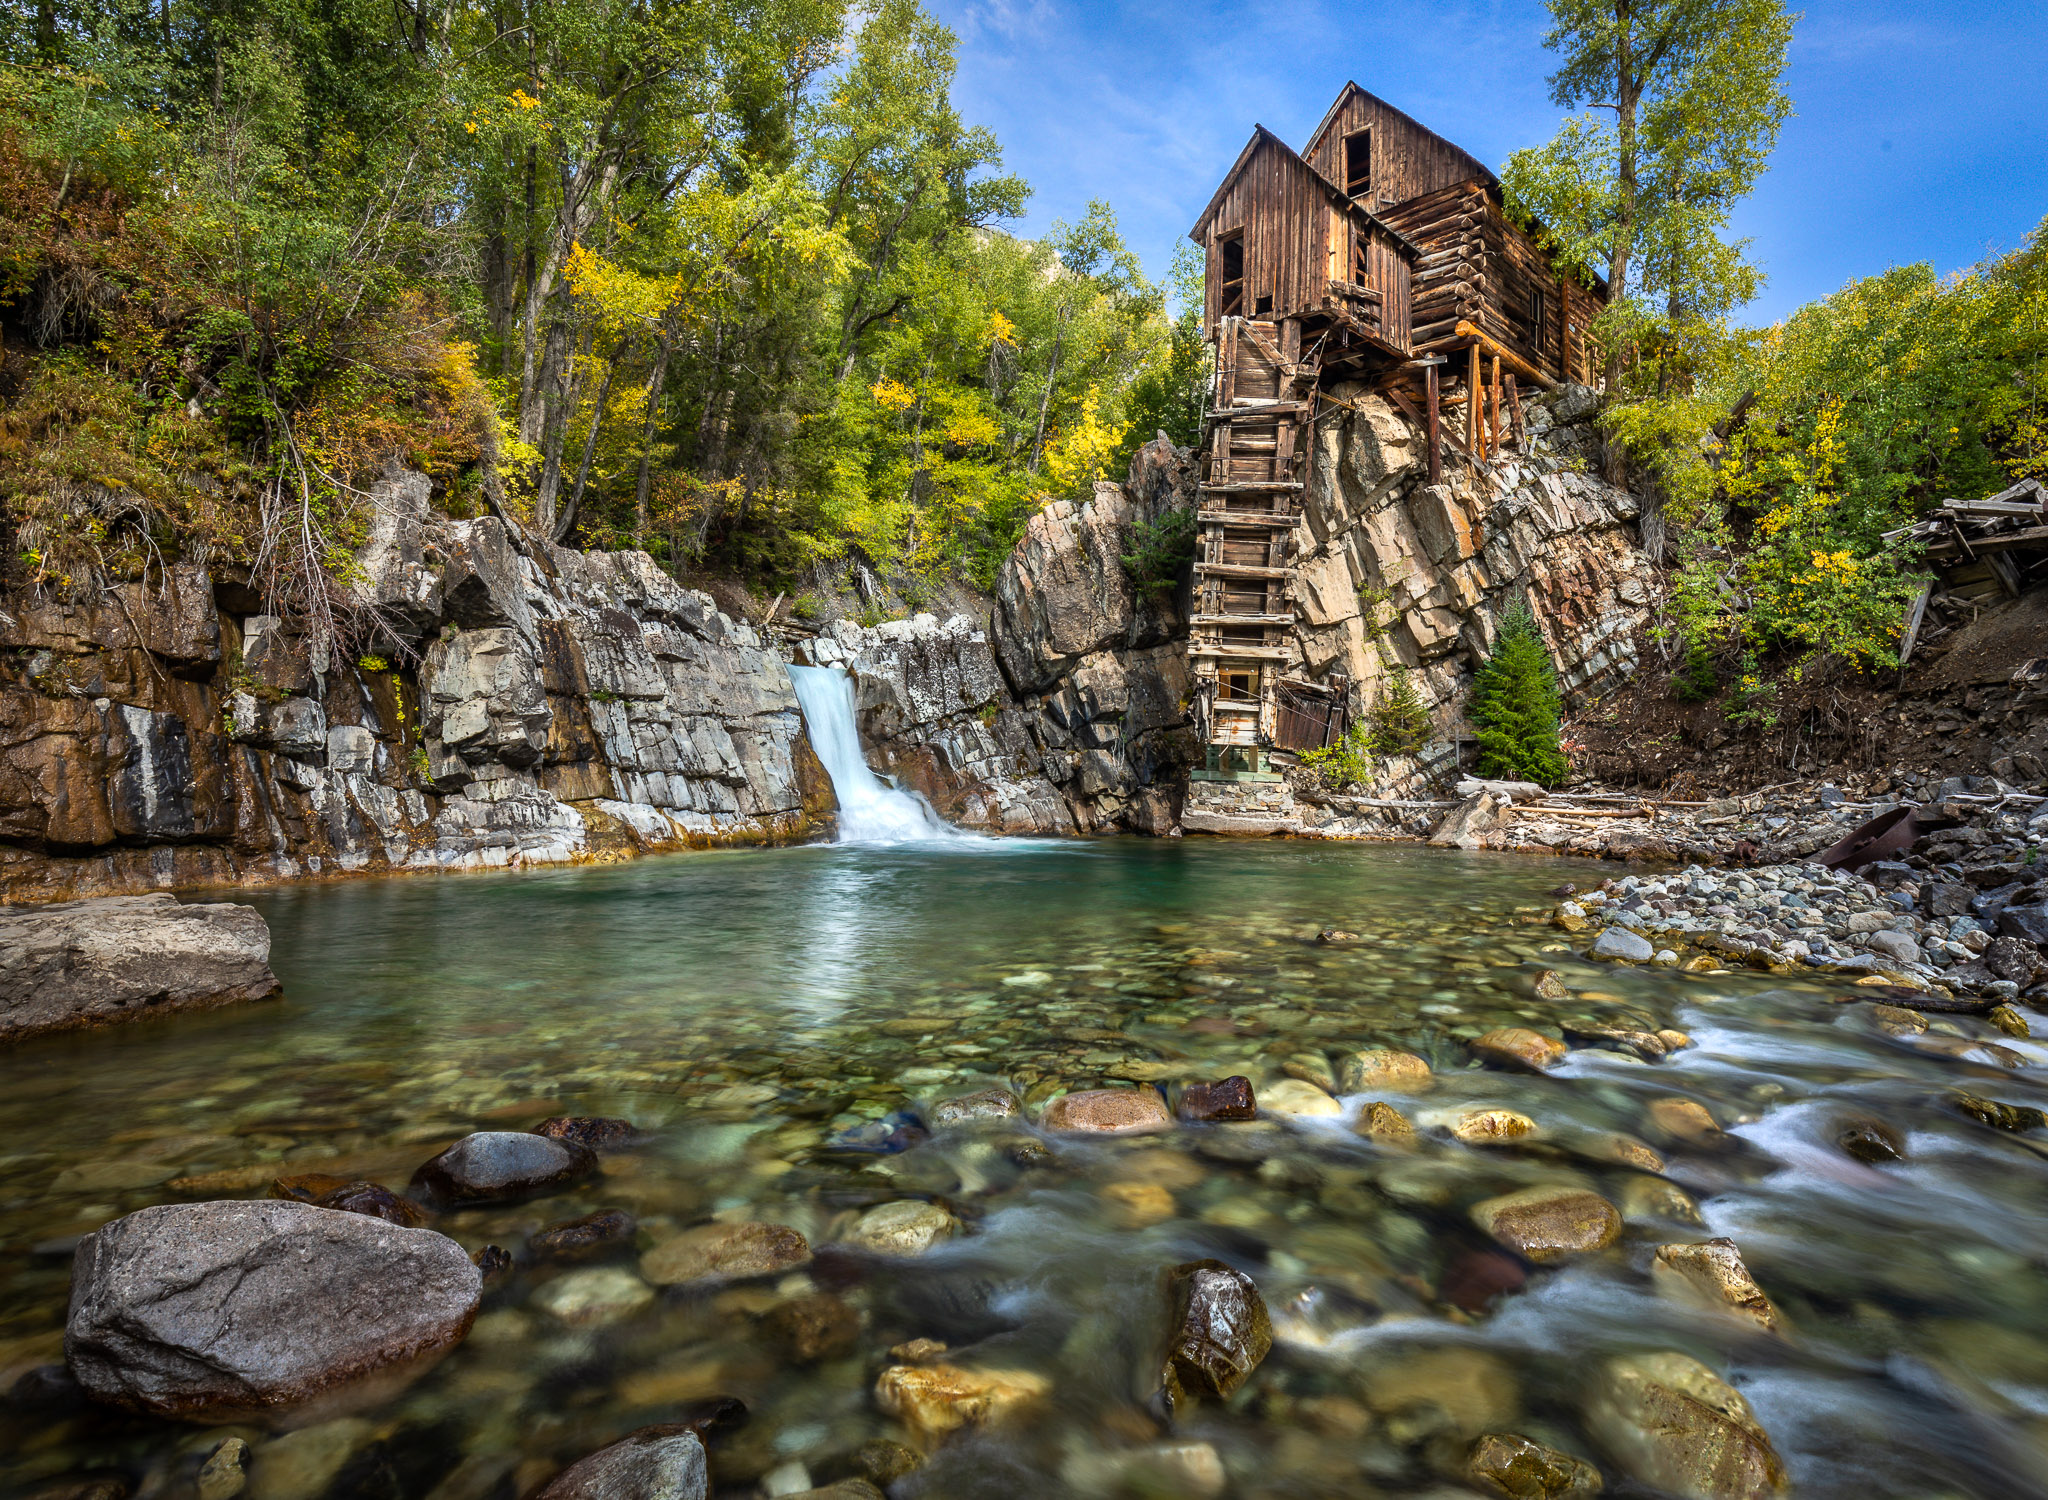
<point>1408,159</point>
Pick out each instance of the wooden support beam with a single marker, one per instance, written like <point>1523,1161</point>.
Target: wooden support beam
<point>1515,416</point>
<point>1249,486</point>
<point>1481,339</point>
<point>1473,443</point>
<point>1228,619</point>
<point>1239,570</point>
<point>1245,653</point>
<point>1436,457</point>
<point>1493,413</point>
<point>1239,518</point>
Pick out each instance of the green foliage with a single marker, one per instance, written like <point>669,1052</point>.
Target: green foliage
<point>1160,551</point>
<point>1351,759</point>
<point>1515,705</point>
<point>1168,396</point>
<point>1699,679</point>
<point>1399,719</point>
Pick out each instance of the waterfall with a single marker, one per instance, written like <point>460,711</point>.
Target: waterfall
<point>870,810</point>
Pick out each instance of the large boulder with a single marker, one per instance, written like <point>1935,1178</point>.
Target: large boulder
<point>220,1311</point>
<point>92,963</point>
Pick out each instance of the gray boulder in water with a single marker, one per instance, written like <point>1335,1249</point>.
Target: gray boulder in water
<point>502,1166</point>
<point>74,964</point>
<point>215,1311</point>
<point>655,1463</point>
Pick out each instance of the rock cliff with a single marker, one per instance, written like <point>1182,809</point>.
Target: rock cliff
<point>526,703</point>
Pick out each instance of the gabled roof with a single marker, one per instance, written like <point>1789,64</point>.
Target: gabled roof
<point>1344,96</point>
<point>1262,137</point>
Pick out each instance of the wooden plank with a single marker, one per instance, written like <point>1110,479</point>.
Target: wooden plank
<point>1249,486</point>
<point>1473,442</point>
<point>1914,615</point>
<point>1241,653</point>
<point>1239,570</point>
<point>1230,619</point>
<point>1436,457</point>
<point>1239,518</point>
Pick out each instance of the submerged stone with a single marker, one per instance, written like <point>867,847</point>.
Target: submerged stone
<point>817,1327</point>
<point>1229,1099</point>
<point>1870,1140</point>
<point>908,1228</point>
<point>1678,1427</point>
<point>1107,1112</point>
<point>503,1166</point>
<point>1519,1048</point>
<point>594,1298</point>
<point>1383,1123</point>
<point>1383,1070</point>
<point>714,1253</point>
<point>1511,1466</point>
<point>981,1107</point>
<point>585,1238</point>
<point>1545,1224</point>
<point>595,1132</point>
<point>1220,1331</point>
<point>1299,1099</point>
<point>1491,1127</point>
<point>374,1200</point>
<point>656,1463</point>
<point>2013,1117</point>
<point>1713,1273</point>
<point>934,1401</point>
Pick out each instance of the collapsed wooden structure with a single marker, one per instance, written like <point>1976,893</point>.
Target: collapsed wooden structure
<point>1382,253</point>
<point>1981,551</point>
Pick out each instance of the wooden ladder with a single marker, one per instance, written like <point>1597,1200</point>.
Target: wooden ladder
<point>1262,403</point>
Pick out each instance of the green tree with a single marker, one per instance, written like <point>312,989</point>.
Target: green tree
<point>1687,106</point>
<point>1515,704</point>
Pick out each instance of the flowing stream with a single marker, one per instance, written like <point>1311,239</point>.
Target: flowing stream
<point>870,810</point>
<point>776,1021</point>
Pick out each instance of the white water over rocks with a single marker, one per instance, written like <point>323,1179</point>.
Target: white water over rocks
<point>870,810</point>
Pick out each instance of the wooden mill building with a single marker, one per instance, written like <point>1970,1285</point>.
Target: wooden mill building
<point>1382,253</point>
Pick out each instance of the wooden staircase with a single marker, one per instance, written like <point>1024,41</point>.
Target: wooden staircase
<point>1262,403</point>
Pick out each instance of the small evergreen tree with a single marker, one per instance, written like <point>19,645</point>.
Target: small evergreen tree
<point>1515,705</point>
<point>1400,722</point>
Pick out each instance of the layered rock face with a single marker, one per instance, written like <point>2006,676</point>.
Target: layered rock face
<point>1398,573</point>
<point>527,704</point>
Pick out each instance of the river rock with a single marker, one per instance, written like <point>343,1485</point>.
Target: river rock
<point>306,1460</point>
<point>1999,1116</point>
<point>1514,1468</point>
<point>596,1132</point>
<point>935,1400</point>
<point>1383,1123</point>
<point>985,1106</point>
<point>1896,1020</point>
<point>503,1166</point>
<point>1678,1427</point>
<point>594,1298</point>
<point>1299,1099</point>
<point>1651,1198</point>
<point>1613,1146</point>
<point>1221,1331</point>
<point>1519,1048</point>
<point>586,1238</point>
<point>714,1253</point>
<point>882,1461</point>
<point>809,1329</point>
<point>1684,1121</point>
<point>665,1462</point>
<point>1550,1223</point>
<point>1491,1127</point>
<point>1228,1099</point>
<point>224,1475</point>
<point>215,1310</point>
<point>1382,1070</point>
<point>908,1228</point>
<point>1469,1391</point>
<point>75,964</point>
<point>377,1201</point>
<point>1107,1112</point>
<point>1623,946</point>
<point>1713,1273</point>
<point>2009,1021</point>
<point>1550,985</point>
<point>1870,1140</point>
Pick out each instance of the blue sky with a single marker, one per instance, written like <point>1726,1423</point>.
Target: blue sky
<point>1919,131</point>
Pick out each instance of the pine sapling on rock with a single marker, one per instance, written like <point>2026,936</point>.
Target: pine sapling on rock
<point>1515,705</point>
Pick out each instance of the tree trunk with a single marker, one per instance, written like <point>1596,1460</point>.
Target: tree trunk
<point>643,482</point>
<point>1038,438</point>
<point>604,394</point>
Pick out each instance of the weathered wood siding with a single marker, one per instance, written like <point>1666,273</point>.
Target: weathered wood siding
<point>1300,245</point>
<point>1408,159</point>
<point>1477,267</point>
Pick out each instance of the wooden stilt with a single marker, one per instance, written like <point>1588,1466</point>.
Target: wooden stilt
<point>1473,391</point>
<point>1436,453</point>
<point>1493,413</point>
<point>1515,416</point>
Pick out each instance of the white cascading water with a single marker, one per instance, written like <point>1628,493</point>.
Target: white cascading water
<point>870,810</point>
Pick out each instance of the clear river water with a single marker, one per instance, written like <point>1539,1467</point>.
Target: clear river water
<point>761,1015</point>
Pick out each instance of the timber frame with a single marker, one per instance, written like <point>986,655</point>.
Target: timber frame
<point>1381,254</point>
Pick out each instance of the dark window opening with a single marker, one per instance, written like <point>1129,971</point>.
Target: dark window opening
<point>1361,260</point>
<point>1233,275</point>
<point>1358,163</point>
<point>1265,306</point>
<point>1237,686</point>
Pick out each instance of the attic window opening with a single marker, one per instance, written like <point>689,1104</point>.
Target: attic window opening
<point>1358,163</point>
<point>1265,305</point>
<point>1233,274</point>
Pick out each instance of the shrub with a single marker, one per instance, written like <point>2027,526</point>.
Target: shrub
<point>1515,705</point>
<point>1160,550</point>
<point>1400,721</point>
<point>1698,680</point>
